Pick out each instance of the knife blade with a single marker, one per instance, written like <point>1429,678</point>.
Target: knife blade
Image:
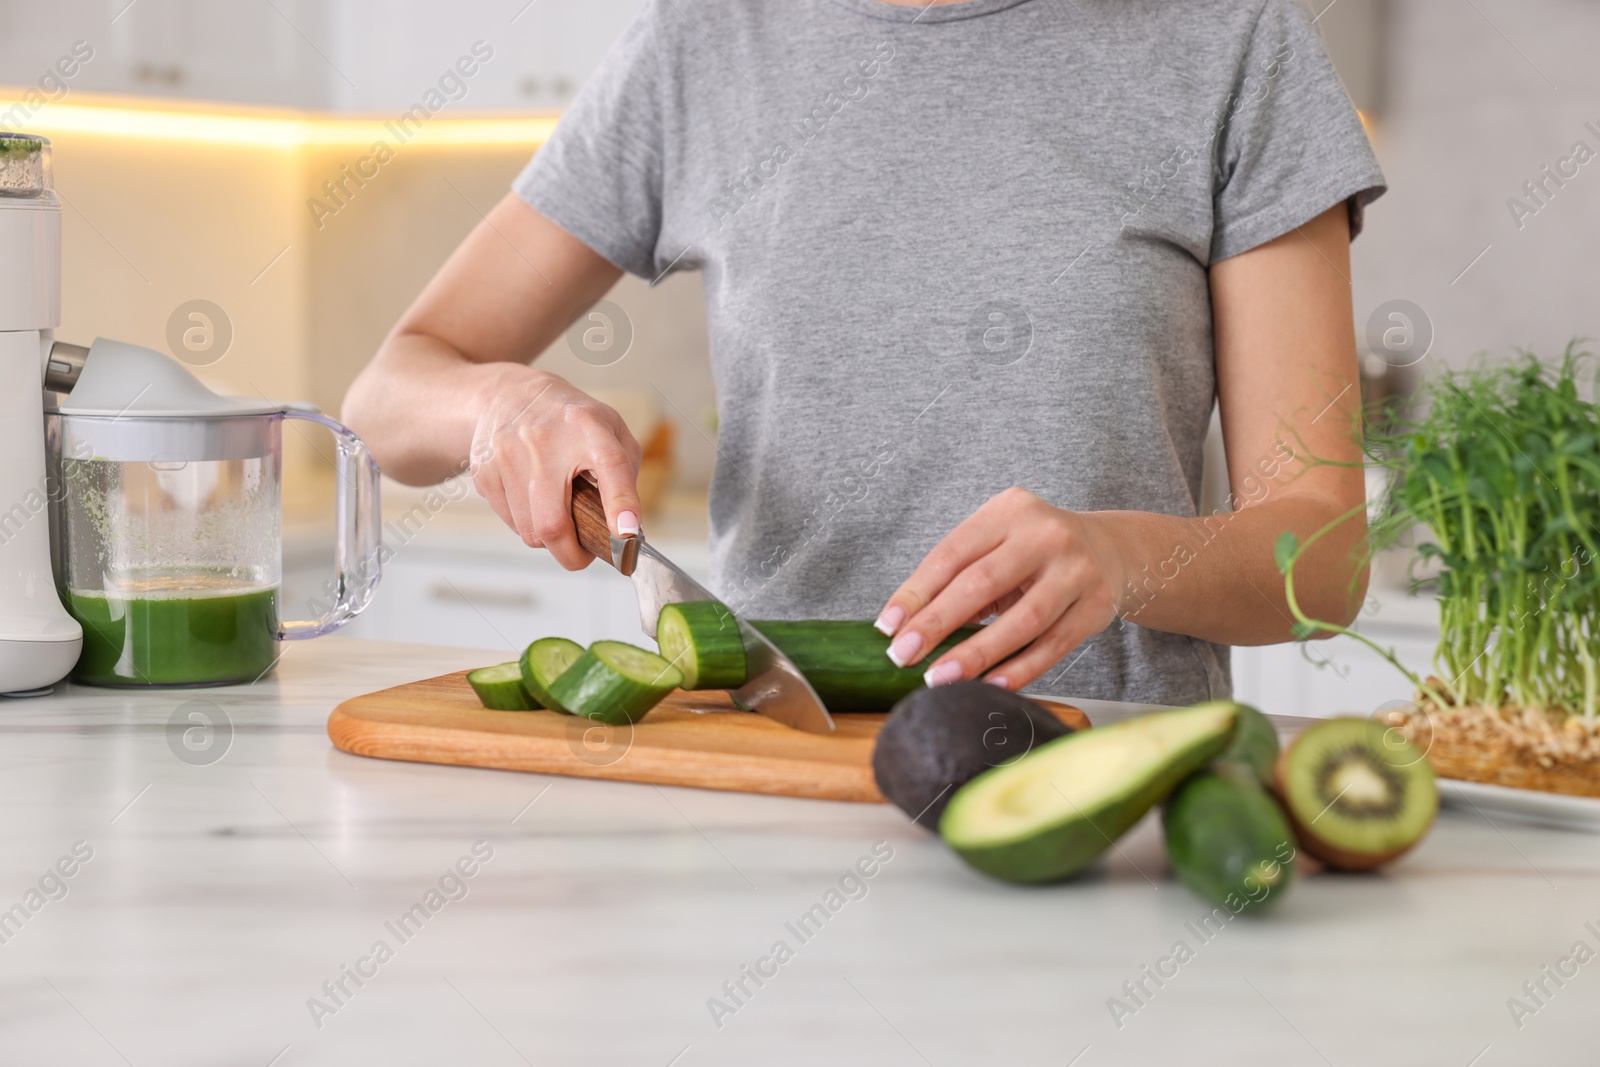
<point>775,686</point>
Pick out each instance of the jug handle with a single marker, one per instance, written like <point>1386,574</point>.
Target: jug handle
<point>358,545</point>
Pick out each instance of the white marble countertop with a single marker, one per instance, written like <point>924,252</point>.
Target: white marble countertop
<point>220,897</point>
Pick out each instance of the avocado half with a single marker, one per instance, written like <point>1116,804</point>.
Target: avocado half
<point>1052,813</point>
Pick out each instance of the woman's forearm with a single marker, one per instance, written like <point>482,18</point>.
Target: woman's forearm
<point>417,405</point>
<point>1216,577</point>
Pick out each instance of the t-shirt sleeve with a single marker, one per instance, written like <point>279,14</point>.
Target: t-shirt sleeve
<point>599,177</point>
<point>1291,144</point>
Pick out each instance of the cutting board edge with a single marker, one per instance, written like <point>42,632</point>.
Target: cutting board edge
<point>353,732</point>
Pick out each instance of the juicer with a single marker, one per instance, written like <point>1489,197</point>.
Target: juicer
<point>39,640</point>
<point>140,512</point>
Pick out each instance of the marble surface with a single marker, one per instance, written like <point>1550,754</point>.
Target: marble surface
<point>230,880</point>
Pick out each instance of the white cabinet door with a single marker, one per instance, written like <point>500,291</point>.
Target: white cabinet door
<point>362,55</point>
<point>496,603</point>
<point>249,52</point>
<point>32,36</point>
<point>395,50</point>
<point>35,38</point>
<point>582,34</point>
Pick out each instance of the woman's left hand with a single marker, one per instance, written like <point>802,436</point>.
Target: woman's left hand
<point>1052,576</point>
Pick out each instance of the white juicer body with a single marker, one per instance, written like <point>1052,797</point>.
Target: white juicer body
<point>39,641</point>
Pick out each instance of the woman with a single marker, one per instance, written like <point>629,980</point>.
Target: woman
<point>974,273</point>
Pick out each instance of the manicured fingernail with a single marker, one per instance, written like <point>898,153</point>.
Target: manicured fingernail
<point>627,524</point>
<point>890,620</point>
<point>904,649</point>
<point>999,680</point>
<point>942,673</point>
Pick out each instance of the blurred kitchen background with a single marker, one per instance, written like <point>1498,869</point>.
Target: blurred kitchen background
<point>223,201</point>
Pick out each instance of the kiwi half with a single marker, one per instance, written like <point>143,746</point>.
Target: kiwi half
<point>1357,793</point>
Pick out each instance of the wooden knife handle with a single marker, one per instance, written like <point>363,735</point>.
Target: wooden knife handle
<point>589,518</point>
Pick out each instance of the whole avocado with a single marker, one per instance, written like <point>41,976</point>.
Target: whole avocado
<point>937,740</point>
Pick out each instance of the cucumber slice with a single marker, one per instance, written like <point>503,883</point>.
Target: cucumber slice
<point>544,661</point>
<point>500,687</point>
<point>615,683</point>
<point>702,640</point>
<point>1051,813</point>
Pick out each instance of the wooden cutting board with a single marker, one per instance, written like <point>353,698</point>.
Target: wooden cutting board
<point>691,739</point>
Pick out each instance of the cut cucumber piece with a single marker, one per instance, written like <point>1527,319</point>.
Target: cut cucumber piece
<point>615,683</point>
<point>848,663</point>
<point>1228,839</point>
<point>702,640</point>
<point>542,663</point>
<point>1051,813</point>
<point>500,688</point>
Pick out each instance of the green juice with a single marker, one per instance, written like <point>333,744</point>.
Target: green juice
<point>174,639</point>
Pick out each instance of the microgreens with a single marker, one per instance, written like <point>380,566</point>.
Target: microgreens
<point>1504,471</point>
<point>20,145</point>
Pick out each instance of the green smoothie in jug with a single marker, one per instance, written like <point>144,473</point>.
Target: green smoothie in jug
<point>185,634</point>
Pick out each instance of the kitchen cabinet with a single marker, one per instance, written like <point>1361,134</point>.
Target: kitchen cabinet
<point>259,53</point>
<point>390,54</point>
<point>346,55</point>
<point>543,50</point>
<point>34,36</point>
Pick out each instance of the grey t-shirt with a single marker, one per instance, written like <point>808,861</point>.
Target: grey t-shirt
<point>948,250</point>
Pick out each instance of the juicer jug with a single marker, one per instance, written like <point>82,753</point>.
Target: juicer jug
<point>168,521</point>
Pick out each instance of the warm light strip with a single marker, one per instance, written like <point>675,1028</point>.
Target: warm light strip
<point>274,131</point>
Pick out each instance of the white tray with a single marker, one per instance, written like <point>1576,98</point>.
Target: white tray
<point>1522,805</point>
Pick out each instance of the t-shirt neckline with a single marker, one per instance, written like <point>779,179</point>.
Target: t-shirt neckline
<point>920,13</point>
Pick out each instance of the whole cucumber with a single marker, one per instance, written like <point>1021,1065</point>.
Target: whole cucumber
<point>1228,839</point>
<point>1254,745</point>
<point>848,663</point>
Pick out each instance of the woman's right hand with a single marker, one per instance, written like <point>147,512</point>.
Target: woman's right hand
<point>536,432</point>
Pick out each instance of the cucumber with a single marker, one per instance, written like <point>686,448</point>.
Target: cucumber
<point>1255,743</point>
<point>702,640</point>
<point>542,663</point>
<point>1228,839</point>
<point>1048,815</point>
<point>615,683</point>
<point>848,663</point>
<point>500,687</point>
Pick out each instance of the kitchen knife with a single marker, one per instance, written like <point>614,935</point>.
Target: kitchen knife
<point>775,688</point>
